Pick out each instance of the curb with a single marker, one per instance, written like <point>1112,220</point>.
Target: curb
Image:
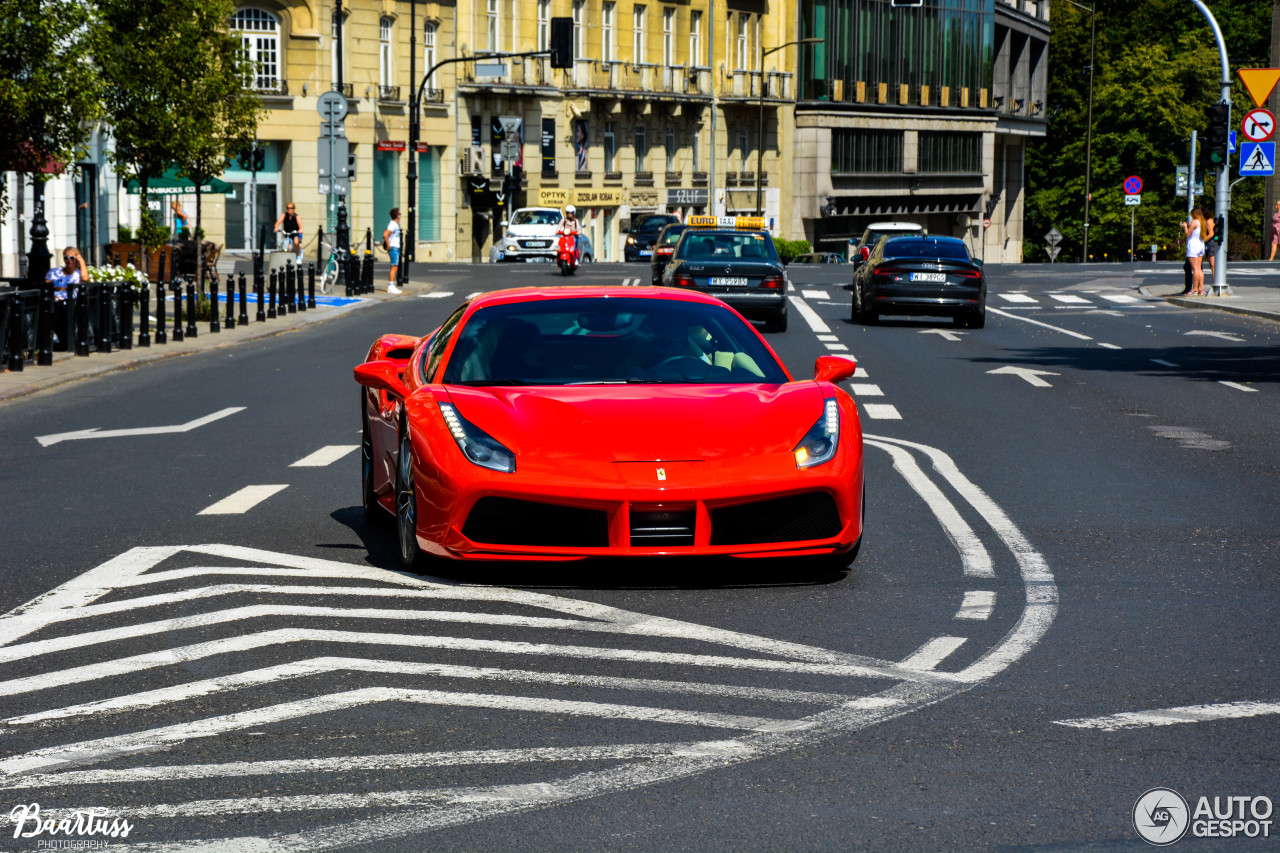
<point>1214,303</point>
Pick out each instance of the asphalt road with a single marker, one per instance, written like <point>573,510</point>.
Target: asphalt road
<point>1072,514</point>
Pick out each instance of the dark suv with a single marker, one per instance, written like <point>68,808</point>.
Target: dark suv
<point>644,233</point>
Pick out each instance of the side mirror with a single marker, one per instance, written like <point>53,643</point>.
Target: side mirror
<point>833,368</point>
<point>383,375</point>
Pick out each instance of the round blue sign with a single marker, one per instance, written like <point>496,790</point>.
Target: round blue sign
<point>1133,185</point>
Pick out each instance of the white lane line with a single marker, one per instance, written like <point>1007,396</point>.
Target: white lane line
<point>810,316</point>
<point>1109,346</point>
<point>242,501</point>
<point>977,604</point>
<point>1017,297</point>
<point>1164,363</point>
<point>828,338</point>
<point>815,294</point>
<point>326,455</point>
<point>973,555</point>
<point>1122,298</point>
<point>881,411</point>
<point>328,665</point>
<point>1237,386</point>
<point>1172,716</point>
<point>392,761</point>
<point>1038,323</point>
<point>436,294</point>
<point>932,653</point>
<point>1070,298</point>
<point>867,390</point>
<point>51,758</point>
<point>836,347</point>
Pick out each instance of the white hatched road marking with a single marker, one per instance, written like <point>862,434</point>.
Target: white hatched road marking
<point>1018,297</point>
<point>837,347</point>
<point>977,604</point>
<point>1173,716</point>
<point>1038,323</point>
<point>828,338</point>
<point>473,294</point>
<point>436,294</point>
<point>1109,346</point>
<point>810,316</point>
<point>326,455</point>
<point>815,294</point>
<point>881,411</point>
<point>1070,298</point>
<point>916,685</point>
<point>243,500</point>
<point>860,373</point>
<point>867,390</point>
<point>1237,386</point>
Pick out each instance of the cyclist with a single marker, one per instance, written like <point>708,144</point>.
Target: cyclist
<point>292,228</point>
<point>571,225</point>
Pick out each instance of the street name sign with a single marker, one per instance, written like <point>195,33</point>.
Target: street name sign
<point>1132,199</point>
<point>1257,159</point>
<point>1259,82</point>
<point>1258,125</point>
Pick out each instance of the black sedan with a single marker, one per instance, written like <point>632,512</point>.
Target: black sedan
<point>741,268</point>
<point>663,248</point>
<point>644,233</point>
<point>921,275</point>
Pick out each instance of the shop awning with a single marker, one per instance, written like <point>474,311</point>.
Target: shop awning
<point>170,184</point>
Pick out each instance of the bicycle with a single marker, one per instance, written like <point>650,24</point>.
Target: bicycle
<point>288,237</point>
<point>329,277</point>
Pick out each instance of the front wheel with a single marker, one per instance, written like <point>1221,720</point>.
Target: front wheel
<point>777,323</point>
<point>406,504</point>
<point>330,277</point>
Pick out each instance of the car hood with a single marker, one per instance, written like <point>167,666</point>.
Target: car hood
<point>642,423</point>
<point>531,231</point>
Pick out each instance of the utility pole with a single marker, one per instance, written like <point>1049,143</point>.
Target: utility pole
<point>407,246</point>
<point>1271,188</point>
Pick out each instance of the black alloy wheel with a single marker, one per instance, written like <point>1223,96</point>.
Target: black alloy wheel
<point>861,314</point>
<point>406,504</point>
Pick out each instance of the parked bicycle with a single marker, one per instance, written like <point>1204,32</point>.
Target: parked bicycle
<point>330,275</point>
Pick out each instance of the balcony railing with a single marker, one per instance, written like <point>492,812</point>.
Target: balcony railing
<point>271,86</point>
<point>644,179</point>
<point>433,96</point>
<point>388,93</point>
<point>347,90</point>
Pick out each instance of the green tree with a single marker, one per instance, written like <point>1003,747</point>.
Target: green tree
<point>49,90</point>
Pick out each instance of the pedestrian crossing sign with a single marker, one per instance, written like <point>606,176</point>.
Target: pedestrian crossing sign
<point>1257,159</point>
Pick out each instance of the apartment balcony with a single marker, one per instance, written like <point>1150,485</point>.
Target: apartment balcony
<point>746,84</point>
<point>644,179</point>
<point>433,97</point>
<point>674,179</point>
<point>347,90</point>
<point>699,179</point>
<point>272,86</point>
<point>596,78</point>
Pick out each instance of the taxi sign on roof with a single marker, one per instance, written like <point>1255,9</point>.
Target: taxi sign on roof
<point>743,223</point>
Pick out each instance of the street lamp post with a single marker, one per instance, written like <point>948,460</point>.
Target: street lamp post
<point>760,139</point>
<point>1088,145</point>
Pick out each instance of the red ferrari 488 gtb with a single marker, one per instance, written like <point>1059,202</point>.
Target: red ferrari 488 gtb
<point>602,422</point>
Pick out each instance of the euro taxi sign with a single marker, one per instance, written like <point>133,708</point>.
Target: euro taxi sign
<point>742,223</point>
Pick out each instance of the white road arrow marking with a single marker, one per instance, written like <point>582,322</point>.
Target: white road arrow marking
<point>945,334</point>
<point>95,432</point>
<point>1226,336</point>
<point>1170,716</point>
<point>1032,376</point>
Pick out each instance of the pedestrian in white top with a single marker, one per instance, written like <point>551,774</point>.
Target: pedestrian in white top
<point>391,241</point>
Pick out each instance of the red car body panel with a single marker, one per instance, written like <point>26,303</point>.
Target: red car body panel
<point>600,447</point>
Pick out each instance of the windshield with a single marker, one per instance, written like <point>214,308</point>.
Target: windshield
<point>916,248</point>
<point>874,236</point>
<point>672,236</point>
<point>725,245</point>
<point>609,341</point>
<point>536,217</point>
<point>654,224</point>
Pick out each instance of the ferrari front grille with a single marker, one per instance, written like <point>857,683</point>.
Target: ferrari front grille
<point>795,518</point>
<point>661,528</point>
<point>508,521</point>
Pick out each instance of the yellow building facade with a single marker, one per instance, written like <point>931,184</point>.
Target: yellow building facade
<point>661,112</point>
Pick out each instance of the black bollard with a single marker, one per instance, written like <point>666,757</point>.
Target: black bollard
<point>262,298</point>
<point>177,310</point>
<point>231,302</point>
<point>144,316</point>
<point>162,334</point>
<point>311,285</point>
<point>126,315</point>
<point>192,331</point>
<point>302,288</point>
<point>104,317</point>
<point>271,304</point>
<point>82,319</point>
<point>45,326</point>
<point>17,334</point>
<point>244,303</point>
<point>291,301</point>
<point>214,309</point>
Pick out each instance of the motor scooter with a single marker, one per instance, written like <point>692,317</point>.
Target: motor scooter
<point>567,254</point>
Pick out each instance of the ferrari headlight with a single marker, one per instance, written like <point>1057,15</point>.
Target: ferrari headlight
<point>476,444</point>
<point>820,442</point>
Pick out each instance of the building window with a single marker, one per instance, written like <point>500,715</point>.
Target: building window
<point>610,145</point>
<point>384,52</point>
<point>608,38</point>
<point>744,145</point>
<point>743,52</point>
<point>637,35</point>
<point>695,38</point>
<point>856,150</point>
<point>493,24</point>
<point>696,151</point>
<point>260,39</point>
<point>950,152</point>
<point>642,149</point>
<point>668,35</point>
<point>544,24</point>
<point>579,31</point>
<point>428,51</point>
<point>671,149</point>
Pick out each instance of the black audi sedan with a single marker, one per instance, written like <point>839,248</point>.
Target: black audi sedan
<point>663,248</point>
<point>741,268</point>
<point>921,275</point>
<point>644,232</point>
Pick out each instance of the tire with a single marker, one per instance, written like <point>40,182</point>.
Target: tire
<point>974,320</point>
<point>330,277</point>
<point>564,268</point>
<point>406,505</point>
<point>373,513</point>
<point>778,323</point>
<point>860,313</point>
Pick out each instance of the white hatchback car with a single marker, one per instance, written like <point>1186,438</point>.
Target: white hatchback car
<point>530,233</point>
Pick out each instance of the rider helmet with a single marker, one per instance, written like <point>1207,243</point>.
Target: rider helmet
<point>569,210</point>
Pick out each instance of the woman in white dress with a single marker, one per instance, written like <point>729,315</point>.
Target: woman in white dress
<point>1195,228</point>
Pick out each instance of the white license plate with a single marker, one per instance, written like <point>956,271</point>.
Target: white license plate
<point>644,253</point>
<point>929,276</point>
<point>535,244</point>
<point>727,282</point>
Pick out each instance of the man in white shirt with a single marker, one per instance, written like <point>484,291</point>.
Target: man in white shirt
<point>391,239</point>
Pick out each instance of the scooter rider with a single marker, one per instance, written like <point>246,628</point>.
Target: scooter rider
<point>570,225</point>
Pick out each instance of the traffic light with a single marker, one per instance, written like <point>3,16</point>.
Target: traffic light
<point>1215,138</point>
<point>562,42</point>
<point>351,165</point>
<point>259,159</point>
<point>1219,227</point>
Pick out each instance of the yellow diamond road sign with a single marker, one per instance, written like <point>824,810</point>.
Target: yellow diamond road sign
<point>1259,82</point>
